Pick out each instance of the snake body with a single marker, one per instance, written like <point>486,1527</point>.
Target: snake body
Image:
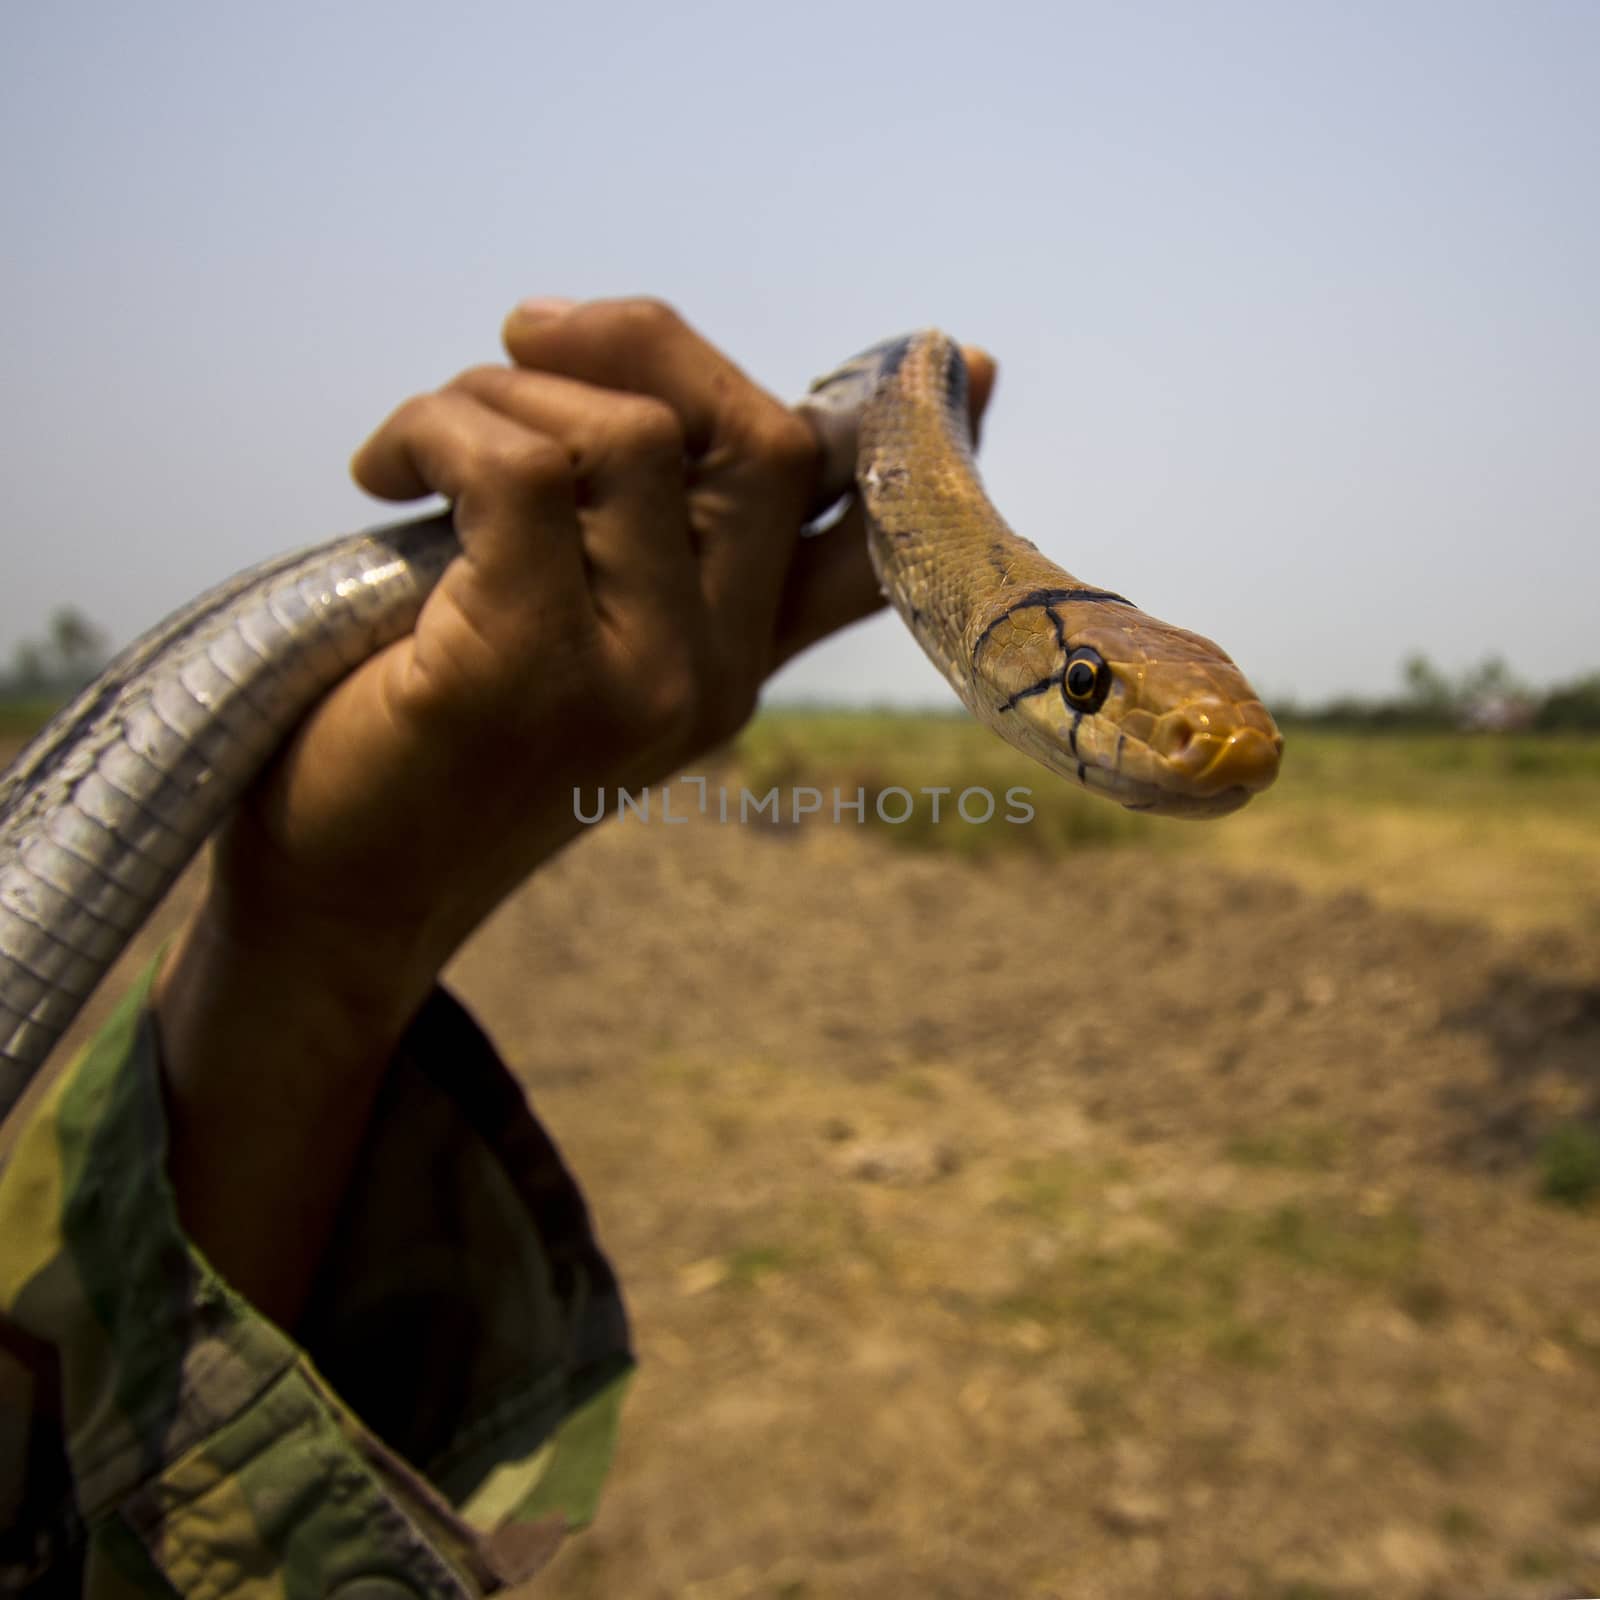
<point>105,808</point>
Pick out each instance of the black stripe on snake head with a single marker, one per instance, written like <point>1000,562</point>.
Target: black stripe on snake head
<point>891,355</point>
<point>1052,682</point>
<point>955,385</point>
<point>1045,598</point>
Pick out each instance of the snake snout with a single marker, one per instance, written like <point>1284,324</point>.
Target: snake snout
<point>1206,746</point>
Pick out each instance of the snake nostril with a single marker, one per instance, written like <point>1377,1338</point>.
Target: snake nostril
<point>1181,736</point>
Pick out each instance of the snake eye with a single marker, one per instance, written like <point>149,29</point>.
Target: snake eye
<point>1087,680</point>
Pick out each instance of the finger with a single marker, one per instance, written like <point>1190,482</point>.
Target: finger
<point>831,580</point>
<point>754,463</point>
<point>640,346</point>
<point>627,457</point>
<point>514,494</point>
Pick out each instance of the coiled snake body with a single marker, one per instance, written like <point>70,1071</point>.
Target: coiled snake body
<point>103,810</point>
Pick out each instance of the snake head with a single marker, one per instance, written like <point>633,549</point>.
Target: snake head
<point>1129,707</point>
<point>1153,716</point>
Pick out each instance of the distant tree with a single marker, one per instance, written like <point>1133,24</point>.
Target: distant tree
<point>1492,679</point>
<point>72,653</point>
<point>30,667</point>
<point>1486,698</point>
<point>1427,688</point>
<point>78,645</point>
<point>1571,707</point>
<point>1493,699</point>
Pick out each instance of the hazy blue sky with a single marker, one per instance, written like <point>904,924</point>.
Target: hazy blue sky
<point>1298,305</point>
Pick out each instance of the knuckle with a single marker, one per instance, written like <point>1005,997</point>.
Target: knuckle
<point>783,445</point>
<point>682,701</point>
<point>645,427</point>
<point>639,317</point>
<point>662,699</point>
<point>420,414</point>
<point>529,465</point>
<point>676,689</point>
<point>484,379</point>
<point>788,440</point>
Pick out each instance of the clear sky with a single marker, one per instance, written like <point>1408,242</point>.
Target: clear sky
<point>1297,304</point>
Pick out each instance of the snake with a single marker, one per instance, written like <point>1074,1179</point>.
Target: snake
<point>104,809</point>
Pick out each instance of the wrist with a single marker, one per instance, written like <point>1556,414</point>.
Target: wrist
<point>297,973</point>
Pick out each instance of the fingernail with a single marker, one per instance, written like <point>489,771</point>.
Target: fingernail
<point>546,305</point>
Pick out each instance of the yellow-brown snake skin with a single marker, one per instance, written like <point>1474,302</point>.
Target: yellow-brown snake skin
<point>1152,716</point>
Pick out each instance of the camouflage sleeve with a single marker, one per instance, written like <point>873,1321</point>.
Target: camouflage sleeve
<point>444,1411</point>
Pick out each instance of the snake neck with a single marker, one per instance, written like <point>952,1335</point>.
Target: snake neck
<point>945,557</point>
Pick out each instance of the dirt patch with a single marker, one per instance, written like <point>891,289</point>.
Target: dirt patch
<point>1115,1226</point>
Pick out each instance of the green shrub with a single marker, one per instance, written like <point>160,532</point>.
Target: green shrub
<point>1569,1165</point>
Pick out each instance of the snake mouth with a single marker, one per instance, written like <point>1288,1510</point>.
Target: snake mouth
<point>1214,763</point>
<point>1210,775</point>
<point>1208,745</point>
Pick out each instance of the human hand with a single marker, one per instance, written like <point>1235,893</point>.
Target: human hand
<point>629,505</point>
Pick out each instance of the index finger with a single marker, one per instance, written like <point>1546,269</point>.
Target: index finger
<point>643,346</point>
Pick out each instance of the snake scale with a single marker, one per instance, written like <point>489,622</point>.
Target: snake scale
<point>105,808</point>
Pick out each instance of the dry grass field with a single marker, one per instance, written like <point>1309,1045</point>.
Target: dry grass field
<point>1100,1207</point>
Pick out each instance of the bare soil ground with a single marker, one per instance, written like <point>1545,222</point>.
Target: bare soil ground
<point>1117,1226</point>
<point>1120,1225</point>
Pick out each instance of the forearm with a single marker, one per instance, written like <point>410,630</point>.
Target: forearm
<point>285,996</point>
<point>275,1039</point>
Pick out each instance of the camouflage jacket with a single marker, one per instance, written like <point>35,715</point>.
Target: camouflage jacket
<point>444,1410</point>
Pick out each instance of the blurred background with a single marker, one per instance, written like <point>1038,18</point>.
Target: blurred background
<point>1101,1206</point>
